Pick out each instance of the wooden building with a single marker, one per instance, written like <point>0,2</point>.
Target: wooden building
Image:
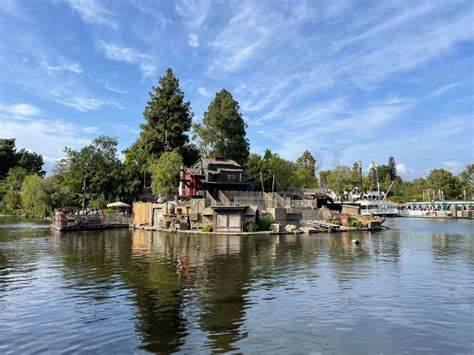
<point>213,175</point>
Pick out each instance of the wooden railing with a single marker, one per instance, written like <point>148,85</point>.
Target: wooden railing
<point>92,219</point>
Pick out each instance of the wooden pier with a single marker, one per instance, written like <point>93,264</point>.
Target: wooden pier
<point>71,222</point>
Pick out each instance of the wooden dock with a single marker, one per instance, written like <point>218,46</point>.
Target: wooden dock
<point>71,222</point>
<point>324,226</point>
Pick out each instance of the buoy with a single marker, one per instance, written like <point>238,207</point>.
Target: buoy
<point>355,241</point>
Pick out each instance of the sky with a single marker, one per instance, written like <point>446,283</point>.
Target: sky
<point>346,80</point>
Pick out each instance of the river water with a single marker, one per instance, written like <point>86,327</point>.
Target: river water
<point>409,289</point>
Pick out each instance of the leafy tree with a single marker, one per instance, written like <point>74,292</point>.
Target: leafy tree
<point>339,180</point>
<point>12,201</point>
<point>168,118</point>
<point>41,196</point>
<point>467,180</point>
<point>222,132</point>
<point>8,156</point>
<point>305,173</point>
<point>165,173</point>
<point>31,162</point>
<point>441,179</point>
<point>98,165</point>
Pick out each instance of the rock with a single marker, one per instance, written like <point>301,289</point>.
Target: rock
<point>291,228</point>
<point>276,227</point>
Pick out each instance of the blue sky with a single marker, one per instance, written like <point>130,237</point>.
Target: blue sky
<point>347,80</point>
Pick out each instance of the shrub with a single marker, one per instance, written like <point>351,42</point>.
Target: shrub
<point>207,228</point>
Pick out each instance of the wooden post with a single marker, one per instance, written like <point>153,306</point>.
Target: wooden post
<point>273,184</point>
<point>261,180</point>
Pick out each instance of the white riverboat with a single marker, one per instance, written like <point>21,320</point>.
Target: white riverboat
<point>374,203</point>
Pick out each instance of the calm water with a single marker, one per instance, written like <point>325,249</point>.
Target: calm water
<point>405,290</point>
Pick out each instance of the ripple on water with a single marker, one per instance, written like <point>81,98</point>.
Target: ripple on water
<point>408,289</point>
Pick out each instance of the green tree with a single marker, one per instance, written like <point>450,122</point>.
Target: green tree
<point>392,168</point>
<point>339,180</point>
<point>31,162</point>
<point>443,180</point>
<point>8,156</point>
<point>41,196</point>
<point>168,118</point>
<point>98,165</point>
<point>222,132</point>
<point>305,173</point>
<point>467,180</point>
<point>269,166</point>
<point>12,201</point>
<point>165,173</point>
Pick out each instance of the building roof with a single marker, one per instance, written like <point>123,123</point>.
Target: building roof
<point>216,160</point>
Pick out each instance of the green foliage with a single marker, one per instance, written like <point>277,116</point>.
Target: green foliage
<point>264,223</point>
<point>31,162</point>
<point>222,132</point>
<point>467,181</point>
<point>12,201</point>
<point>41,196</point>
<point>441,179</point>
<point>207,228</point>
<point>168,118</point>
<point>340,180</point>
<point>165,173</point>
<point>98,165</point>
<point>305,172</point>
<point>10,158</point>
<point>266,166</point>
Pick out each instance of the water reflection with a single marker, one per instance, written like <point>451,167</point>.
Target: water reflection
<point>188,293</point>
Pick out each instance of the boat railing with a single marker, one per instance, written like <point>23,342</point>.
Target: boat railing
<point>69,220</point>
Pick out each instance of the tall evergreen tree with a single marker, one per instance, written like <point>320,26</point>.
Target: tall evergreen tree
<point>392,166</point>
<point>222,132</point>
<point>168,117</point>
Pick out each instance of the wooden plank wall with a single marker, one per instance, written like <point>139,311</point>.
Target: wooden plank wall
<point>142,212</point>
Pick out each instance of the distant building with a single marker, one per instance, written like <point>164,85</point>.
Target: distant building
<point>213,175</point>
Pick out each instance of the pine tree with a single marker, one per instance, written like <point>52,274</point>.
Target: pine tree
<point>168,117</point>
<point>222,132</point>
<point>392,168</point>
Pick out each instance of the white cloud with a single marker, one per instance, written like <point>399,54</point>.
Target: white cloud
<point>455,167</point>
<point>111,88</point>
<point>147,69</point>
<point>47,137</point>
<point>53,69</point>
<point>82,104</point>
<point>91,11</point>
<point>194,11</point>
<point>193,40</point>
<point>129,55</point>
<point>21,110</point>
<point>90,129</point>
<point>444,88</point>
<point>204,92</point>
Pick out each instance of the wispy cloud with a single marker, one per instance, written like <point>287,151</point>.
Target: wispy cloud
<point>72,67</point>
<point>193,40</point>
<point>129,55</point>
<point>19,111</point>
<point>91,11</point>
<point>204,92</point>
<point>444,88</point>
